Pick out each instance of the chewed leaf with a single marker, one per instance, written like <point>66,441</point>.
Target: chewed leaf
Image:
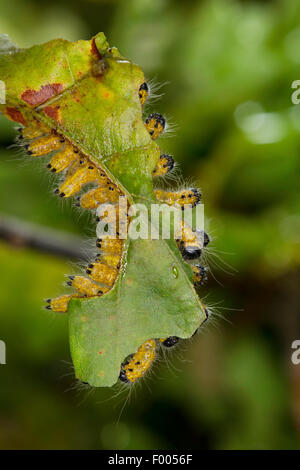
<point>148,301</point>
<point>82,102</point>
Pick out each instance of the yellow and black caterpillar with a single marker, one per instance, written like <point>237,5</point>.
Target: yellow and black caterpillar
<point>87,180</point>
<point>77,172</point>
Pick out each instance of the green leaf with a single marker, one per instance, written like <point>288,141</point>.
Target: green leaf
<point>89,93</point>
<point>153,298</point>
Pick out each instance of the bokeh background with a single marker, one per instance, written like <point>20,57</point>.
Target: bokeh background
<point>229,66</point>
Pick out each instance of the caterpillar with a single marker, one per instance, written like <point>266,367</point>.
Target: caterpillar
<point>186,198</point>
<point>139,363</point>
<point>84,116</point>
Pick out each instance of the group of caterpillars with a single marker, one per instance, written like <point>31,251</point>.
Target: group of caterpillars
<point>78,171</point>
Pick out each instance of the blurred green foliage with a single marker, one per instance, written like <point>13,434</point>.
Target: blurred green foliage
<point>229,67</point>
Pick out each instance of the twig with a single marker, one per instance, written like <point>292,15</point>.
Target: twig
<point>25,234</point>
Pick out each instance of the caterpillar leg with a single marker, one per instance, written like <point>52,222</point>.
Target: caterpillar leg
<point>199,275</point>
<point>143,93</point>
<point>139,363</point>
<point>155,125</point>
<point>86,287</point>
<point>44,145</point>
<point>186,198</point>
<point>164,165</point>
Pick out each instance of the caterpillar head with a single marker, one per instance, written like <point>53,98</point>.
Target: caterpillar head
<point>170,342</point>
<point>192,248</point>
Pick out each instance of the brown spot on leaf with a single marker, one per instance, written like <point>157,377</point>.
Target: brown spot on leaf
<point>94,49</point>
<point>52,112</point>
<point>36,97</point>
<point>98,69</point>
<point>16,115</point>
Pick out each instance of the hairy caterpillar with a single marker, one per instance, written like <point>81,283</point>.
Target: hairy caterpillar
<point>84,115</point>
<point>139,363</point>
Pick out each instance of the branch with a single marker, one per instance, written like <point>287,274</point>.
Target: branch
<point>19,233</point>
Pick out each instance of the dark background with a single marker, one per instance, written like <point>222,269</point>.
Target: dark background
<point>229,67</point>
